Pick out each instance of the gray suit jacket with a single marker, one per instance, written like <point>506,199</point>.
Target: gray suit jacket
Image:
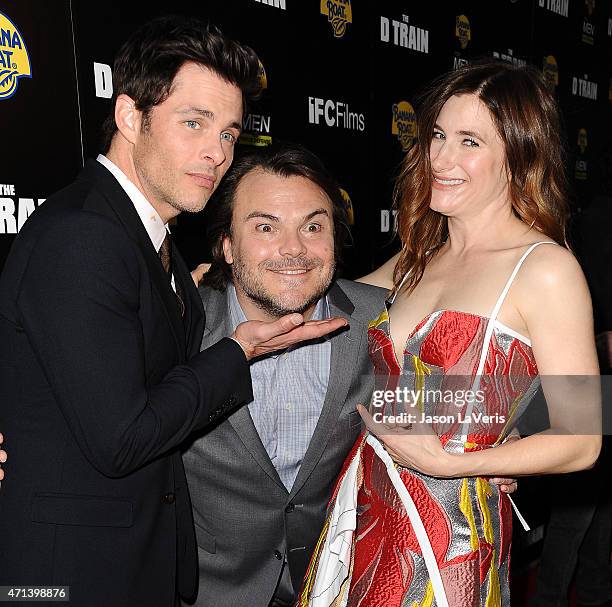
<point>246,521</point>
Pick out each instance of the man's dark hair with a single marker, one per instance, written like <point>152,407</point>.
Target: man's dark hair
<point>282,159</point>
<point>147,63</point>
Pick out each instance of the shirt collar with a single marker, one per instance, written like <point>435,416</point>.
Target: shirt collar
<point>150,218</point>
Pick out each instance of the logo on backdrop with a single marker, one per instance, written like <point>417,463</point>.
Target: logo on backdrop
<point>588,28</point>
<point>275,3</point>
<point>388,220</point>
<point>14,58</point>
<point>263,78</point>
<point>583,87</point>
<point>550,69</point>
<point>339,15</point>
<point>463,31</point>
<point>334,113</point>
<point>348,205</point>
<point>581,168</point>
<point>560,7</point>
<point>256,130</point>
<point>510,58</point>
<point>403,123</point>
<point>403,34</point>
<point>14,211</point>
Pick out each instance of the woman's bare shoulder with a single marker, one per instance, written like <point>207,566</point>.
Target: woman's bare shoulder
<point>383,276</point>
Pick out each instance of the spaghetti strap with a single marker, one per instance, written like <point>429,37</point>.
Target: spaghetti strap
<point>517,267</point>
<point>486,342</point>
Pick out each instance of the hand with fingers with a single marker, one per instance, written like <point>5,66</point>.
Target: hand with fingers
<point>416,446</point>
<point>508,485</point>
<point>259,337</point>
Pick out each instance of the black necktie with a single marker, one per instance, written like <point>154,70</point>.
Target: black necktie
<point>165,255</point>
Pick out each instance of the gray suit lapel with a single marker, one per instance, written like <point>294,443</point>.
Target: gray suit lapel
<point>218,325</point>
<point>344,348</point>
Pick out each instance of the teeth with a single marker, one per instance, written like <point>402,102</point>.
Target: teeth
<point>448,181</point>
<point>291,271</point>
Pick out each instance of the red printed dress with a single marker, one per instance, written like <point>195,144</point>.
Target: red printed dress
<point>397,538</point>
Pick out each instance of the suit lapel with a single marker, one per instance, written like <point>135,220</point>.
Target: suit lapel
<point>344,347</point>
<point>125,212</point>
<point>218,325</point>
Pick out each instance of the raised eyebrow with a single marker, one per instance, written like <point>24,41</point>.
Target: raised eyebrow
<point>259,214</point>
<point>315,213</point>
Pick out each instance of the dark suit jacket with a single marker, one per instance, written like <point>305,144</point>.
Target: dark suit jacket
<point>98,386</point>
<point>247,522</point>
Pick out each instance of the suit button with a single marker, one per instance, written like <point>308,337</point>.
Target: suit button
<point>289,508</point>
<point>278,555</point>
<point>169,498</point>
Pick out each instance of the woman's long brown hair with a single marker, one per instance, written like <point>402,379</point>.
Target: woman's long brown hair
<point>526,116</point>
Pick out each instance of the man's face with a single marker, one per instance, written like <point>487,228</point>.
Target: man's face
<point>187,144</point>
<point>282,244</point>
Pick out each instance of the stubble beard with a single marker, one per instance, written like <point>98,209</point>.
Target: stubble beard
<point>266,301</point>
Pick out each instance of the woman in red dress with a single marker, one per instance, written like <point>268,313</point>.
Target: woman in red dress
<point>486,303</point>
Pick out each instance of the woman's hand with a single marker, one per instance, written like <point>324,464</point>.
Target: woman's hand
<point>415,446</point>
<point>199,272</point>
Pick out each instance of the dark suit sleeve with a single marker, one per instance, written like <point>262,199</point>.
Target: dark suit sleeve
<point>79,304</point>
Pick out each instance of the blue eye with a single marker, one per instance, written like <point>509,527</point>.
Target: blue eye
<point>192,124</point>
<point>228,137</point>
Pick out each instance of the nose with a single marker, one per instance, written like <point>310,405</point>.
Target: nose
<point>441,157</point>
<point>292,244</point>
<point>212,150</point>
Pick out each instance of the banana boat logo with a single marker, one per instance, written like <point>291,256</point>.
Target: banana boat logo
<point>550,70</point>
<point>463,30</point>
<point>14,58</point>
<point>339,14</point>
<point>263,78</point>
<point>403,123</point>
<point>348,205</point>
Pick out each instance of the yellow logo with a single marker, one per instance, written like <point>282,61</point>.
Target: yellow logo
<point>263,79</point>
<point>338,13</point>
<point>582,140</point>
<point>463,30</point>
<point>14,59</point>
<point>404,123</point>
<point>550,70</point>
<point>348,205</point>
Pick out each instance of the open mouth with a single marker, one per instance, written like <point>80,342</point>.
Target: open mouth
<point>448,181</point>
<point>288,272</point>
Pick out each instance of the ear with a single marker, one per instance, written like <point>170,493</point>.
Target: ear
<point>127,117</point>
<point>227,250</point>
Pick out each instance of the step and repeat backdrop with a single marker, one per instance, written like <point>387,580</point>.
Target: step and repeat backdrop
<point>341,77</point>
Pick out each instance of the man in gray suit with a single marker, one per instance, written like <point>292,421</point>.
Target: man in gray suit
<point>260,480</point>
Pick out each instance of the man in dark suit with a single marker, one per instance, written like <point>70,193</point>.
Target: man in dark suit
<point>260,480</point>
<point>100,325</point>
